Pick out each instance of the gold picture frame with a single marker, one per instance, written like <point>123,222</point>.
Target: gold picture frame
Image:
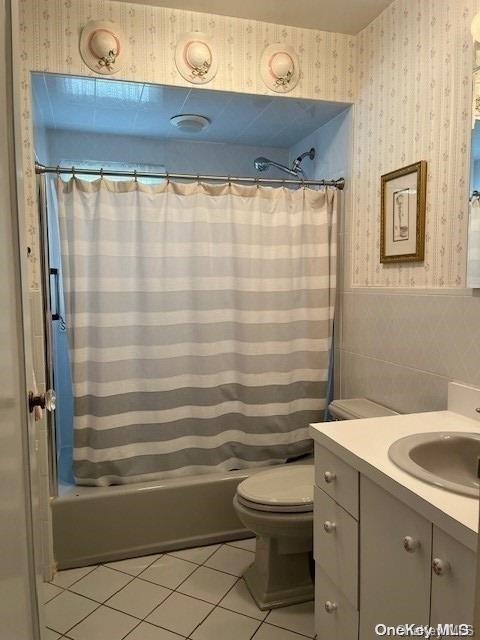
<point>403,204</point>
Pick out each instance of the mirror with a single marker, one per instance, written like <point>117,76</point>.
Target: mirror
<point>473,262</point>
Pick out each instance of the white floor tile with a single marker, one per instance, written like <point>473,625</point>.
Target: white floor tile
<point>220,621</point>
<point>268,632</point>
<point>168,571</point>
<point>239,600</point>
<point>133,566</point>
<point>66,610</point>
<point>138,598</point>
<point>147,631</point>
<point>101,584</point>
<point>49,591</point>
<point>207,584</point>
<point>180,614</point>
<point>103,624</point>
<point>197,555</point>
<point>51,635</point>
<point>249,544</point>
<point>231,560</point>
<point>297,617</point>
<point>67,578</point>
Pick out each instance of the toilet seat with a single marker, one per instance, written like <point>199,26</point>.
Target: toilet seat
<point>283,489</point>
<point>256,506</point>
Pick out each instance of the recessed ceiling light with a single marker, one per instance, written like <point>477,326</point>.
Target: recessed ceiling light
<point>190,123</point>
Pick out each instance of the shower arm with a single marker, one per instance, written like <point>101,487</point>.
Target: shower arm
<point>291,171</point>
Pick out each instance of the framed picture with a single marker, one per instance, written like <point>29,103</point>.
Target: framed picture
<point>402,233</point>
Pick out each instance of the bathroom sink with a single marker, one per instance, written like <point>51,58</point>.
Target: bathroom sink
<point>447,459</point>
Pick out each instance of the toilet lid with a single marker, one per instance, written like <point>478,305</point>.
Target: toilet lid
<point>282,486</point>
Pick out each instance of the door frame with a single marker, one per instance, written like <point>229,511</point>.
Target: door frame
<point>20,580</point>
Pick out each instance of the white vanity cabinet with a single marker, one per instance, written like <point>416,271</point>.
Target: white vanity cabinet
<point>379,561</point>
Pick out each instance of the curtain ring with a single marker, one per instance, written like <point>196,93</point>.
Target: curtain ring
<point>135,175</point>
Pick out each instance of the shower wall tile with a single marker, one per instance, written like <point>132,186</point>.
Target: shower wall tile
<point>400,388</point>
<point>392,342</point>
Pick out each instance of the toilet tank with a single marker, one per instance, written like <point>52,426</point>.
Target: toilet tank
<point>355,408</point>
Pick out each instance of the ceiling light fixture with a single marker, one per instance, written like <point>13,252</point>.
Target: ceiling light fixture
<point>190,123</point>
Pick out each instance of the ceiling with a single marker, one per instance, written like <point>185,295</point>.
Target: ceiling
<point>129,108</point>
<point>341,16</point>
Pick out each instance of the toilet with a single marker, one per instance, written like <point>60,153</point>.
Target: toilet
<point>277,505</point>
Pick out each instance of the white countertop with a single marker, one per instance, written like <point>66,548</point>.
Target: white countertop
<point>364,444</point>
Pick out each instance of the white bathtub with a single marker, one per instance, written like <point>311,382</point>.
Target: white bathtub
<point>101,524</point>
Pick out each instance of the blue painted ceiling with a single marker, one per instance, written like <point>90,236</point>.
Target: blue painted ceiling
<point>117,107</point>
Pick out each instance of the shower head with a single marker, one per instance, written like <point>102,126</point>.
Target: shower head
<point>262,164</point>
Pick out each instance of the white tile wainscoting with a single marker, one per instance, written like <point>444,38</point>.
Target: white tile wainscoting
<point>401,349</point>
<point>196,593</point>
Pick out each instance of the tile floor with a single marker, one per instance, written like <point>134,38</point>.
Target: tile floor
<point>196,593</point>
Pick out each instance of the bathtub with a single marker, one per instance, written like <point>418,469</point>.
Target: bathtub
<point>102,524</point>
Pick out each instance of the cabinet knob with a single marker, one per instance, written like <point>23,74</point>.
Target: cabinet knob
<point>410,544</point>
<point>330,607</point>
<point>329,526</point>
<point>329,476</point>
<point>440,567</point>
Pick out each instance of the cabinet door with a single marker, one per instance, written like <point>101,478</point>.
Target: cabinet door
<point>336,549</point>
<point>394,580</point>
<point>335,617</point>
<point>453,581</point>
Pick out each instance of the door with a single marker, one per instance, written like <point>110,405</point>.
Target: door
<point>395,559</point>
<point>19,609</point>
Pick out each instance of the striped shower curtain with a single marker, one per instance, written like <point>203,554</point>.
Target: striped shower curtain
<point>200,323</point>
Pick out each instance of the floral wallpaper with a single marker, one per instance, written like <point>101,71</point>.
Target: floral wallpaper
<point>414,66</point>
<point>409,73</point>
<point>48,41</point>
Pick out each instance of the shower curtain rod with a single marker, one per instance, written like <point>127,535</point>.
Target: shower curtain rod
<point>41,169</point>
